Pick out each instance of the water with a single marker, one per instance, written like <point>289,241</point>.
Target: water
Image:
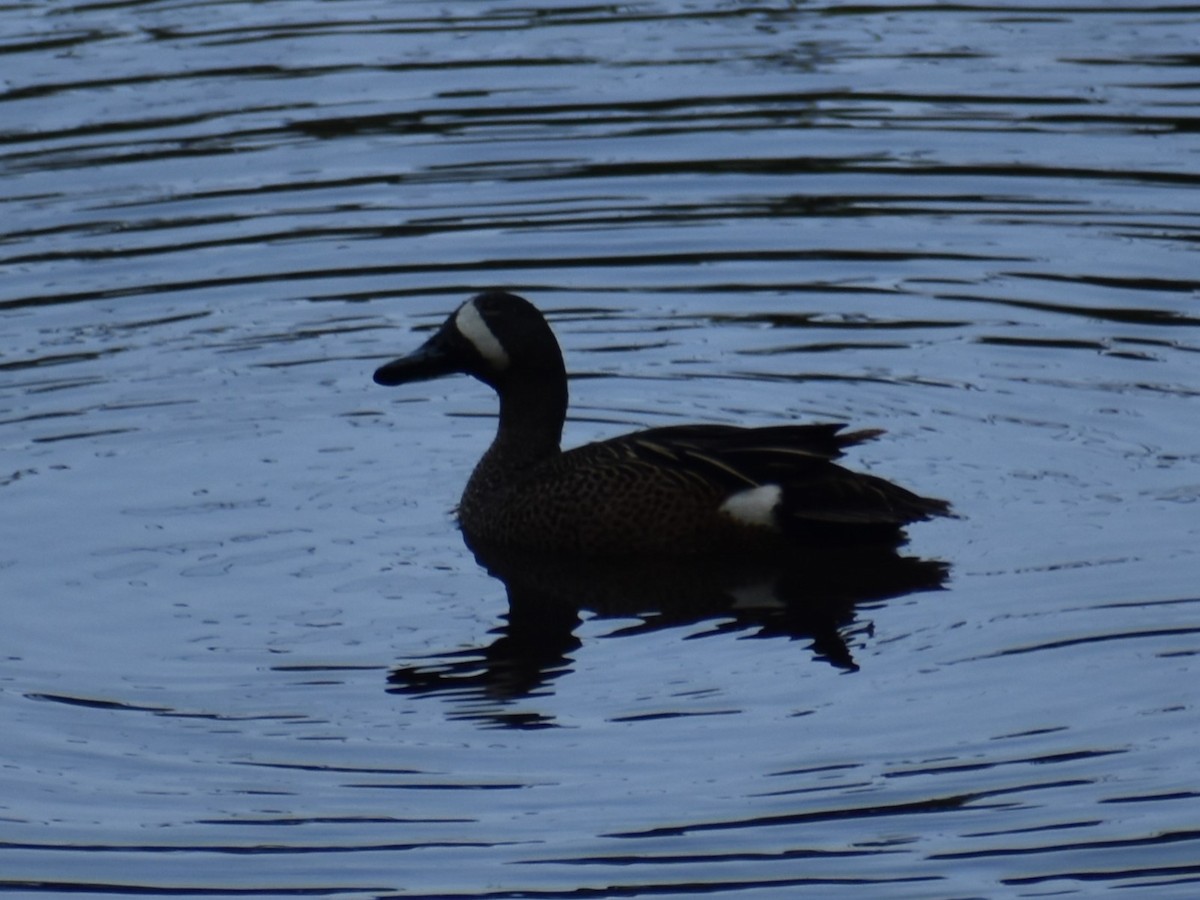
<point>244,651</point>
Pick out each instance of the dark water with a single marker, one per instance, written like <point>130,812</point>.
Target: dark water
<point>243,651</point>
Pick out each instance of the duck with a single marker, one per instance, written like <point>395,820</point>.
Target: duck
<point>674,491</point>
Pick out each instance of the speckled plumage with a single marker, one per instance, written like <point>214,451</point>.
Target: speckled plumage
<point>654,492</point>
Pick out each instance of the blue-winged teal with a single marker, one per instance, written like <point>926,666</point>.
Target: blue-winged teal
<point>683,489</point>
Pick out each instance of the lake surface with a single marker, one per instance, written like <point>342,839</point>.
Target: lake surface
<point>243,651</point>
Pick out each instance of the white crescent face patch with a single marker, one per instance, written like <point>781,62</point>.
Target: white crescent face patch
<point>754,506</point>
<point>474,328</point>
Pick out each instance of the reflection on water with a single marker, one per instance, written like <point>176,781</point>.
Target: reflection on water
<point>806,596</point>
<point>972,225</point>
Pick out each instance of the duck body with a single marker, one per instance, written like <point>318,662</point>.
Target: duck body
<point>678,490</point>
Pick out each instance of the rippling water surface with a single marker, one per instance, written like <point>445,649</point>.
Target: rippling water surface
<point>242,648</point>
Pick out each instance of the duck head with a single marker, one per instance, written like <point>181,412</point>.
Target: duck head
<point>497,337</point>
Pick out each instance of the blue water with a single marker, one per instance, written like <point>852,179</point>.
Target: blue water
<point>243,651</point>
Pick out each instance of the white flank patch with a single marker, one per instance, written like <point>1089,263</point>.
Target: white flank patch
<point>471,325</point>
<point>754,506</point>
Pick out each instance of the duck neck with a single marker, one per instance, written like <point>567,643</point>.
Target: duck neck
<point>532,413</point>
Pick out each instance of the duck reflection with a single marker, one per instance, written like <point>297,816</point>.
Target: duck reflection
<point>810,595</point>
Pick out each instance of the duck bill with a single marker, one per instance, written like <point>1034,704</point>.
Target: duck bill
<point>433,359</point>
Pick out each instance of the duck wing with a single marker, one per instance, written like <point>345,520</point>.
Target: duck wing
<point>799,459</point>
